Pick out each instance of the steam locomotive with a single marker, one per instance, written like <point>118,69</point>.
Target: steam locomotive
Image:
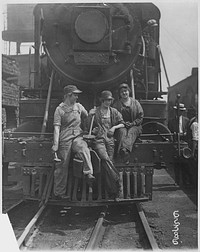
<point>96,47</point>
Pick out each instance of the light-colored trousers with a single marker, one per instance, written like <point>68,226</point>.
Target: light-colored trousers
<point>80,148</point>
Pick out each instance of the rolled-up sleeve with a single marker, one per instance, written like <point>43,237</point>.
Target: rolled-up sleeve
<point>117,117</point>
<point>57,117</point>
<point>84,112</point>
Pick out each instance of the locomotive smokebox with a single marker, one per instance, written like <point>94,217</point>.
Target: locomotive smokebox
<point>91,45</point>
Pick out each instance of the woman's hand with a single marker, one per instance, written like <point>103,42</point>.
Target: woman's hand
<point>128,125</point>
<point>95,130</point>
<point>92,111</point>
<point>54,148</point>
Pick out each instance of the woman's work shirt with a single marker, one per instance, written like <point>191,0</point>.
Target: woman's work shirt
<point>106,122</point>
<point>126,113</point>
<point>69,119</point>
<point>132,113</point>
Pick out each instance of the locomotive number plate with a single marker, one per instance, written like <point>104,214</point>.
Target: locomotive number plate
<point>91,58</point>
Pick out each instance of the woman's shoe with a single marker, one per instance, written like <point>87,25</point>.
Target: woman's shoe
<point>89,178</point>
<point>125,155</point>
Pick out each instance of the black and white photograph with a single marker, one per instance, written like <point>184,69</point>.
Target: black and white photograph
<point>99,125</point>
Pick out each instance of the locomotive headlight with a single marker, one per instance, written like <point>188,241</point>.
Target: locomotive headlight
<point>91,26</point>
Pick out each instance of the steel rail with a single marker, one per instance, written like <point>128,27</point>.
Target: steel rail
<point>147,229</point>
<point>13,206</point>
<point>97,232</point>
<point>30,226</point>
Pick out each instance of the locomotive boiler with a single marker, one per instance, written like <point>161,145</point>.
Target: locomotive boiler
<point>95,47</point>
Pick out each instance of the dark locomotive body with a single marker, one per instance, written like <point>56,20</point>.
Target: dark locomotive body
<point>96,47</point>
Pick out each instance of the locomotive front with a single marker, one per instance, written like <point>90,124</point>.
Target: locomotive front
<point>95,47</point>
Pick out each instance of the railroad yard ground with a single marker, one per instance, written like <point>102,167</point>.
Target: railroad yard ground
<point>172,205</point>
<point>172,214</point>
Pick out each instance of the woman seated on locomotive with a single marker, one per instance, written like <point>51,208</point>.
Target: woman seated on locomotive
<point>133,114</point>
<point>106,121</point>
<point>67,137</point>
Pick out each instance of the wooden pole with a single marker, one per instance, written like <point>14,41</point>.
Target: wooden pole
<point>132,84</point>
<point>159,50</point>
<point>46,113</point>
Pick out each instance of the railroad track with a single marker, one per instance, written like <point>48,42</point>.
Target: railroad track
<point>20,214</point>
<point>122,230</point>
<point>117,227</point>
<point>59,227</point>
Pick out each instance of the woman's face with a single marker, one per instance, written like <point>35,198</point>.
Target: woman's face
<point>124,93</point>
<point>72,98</point>
<point>106,103</point>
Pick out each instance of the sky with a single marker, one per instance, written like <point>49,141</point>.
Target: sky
<point>178,36</point>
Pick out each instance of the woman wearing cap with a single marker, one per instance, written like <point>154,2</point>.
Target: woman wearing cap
<point>106,121</point>
<point>132,113</point>
<point>67,137</point>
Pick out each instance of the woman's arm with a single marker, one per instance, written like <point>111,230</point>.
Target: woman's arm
<point>56,138</point>
<point>121,125</point>
<point>139,115</point>
<point>117,120</point>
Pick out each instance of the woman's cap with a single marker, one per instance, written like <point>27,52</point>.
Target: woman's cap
<point>124,85</point>
<point>181,107</point>
<point>71,89</point>
<point>106,95</point>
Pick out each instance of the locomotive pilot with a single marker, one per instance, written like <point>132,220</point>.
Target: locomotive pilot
<point>133,114</point>
<point>67,138</point>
